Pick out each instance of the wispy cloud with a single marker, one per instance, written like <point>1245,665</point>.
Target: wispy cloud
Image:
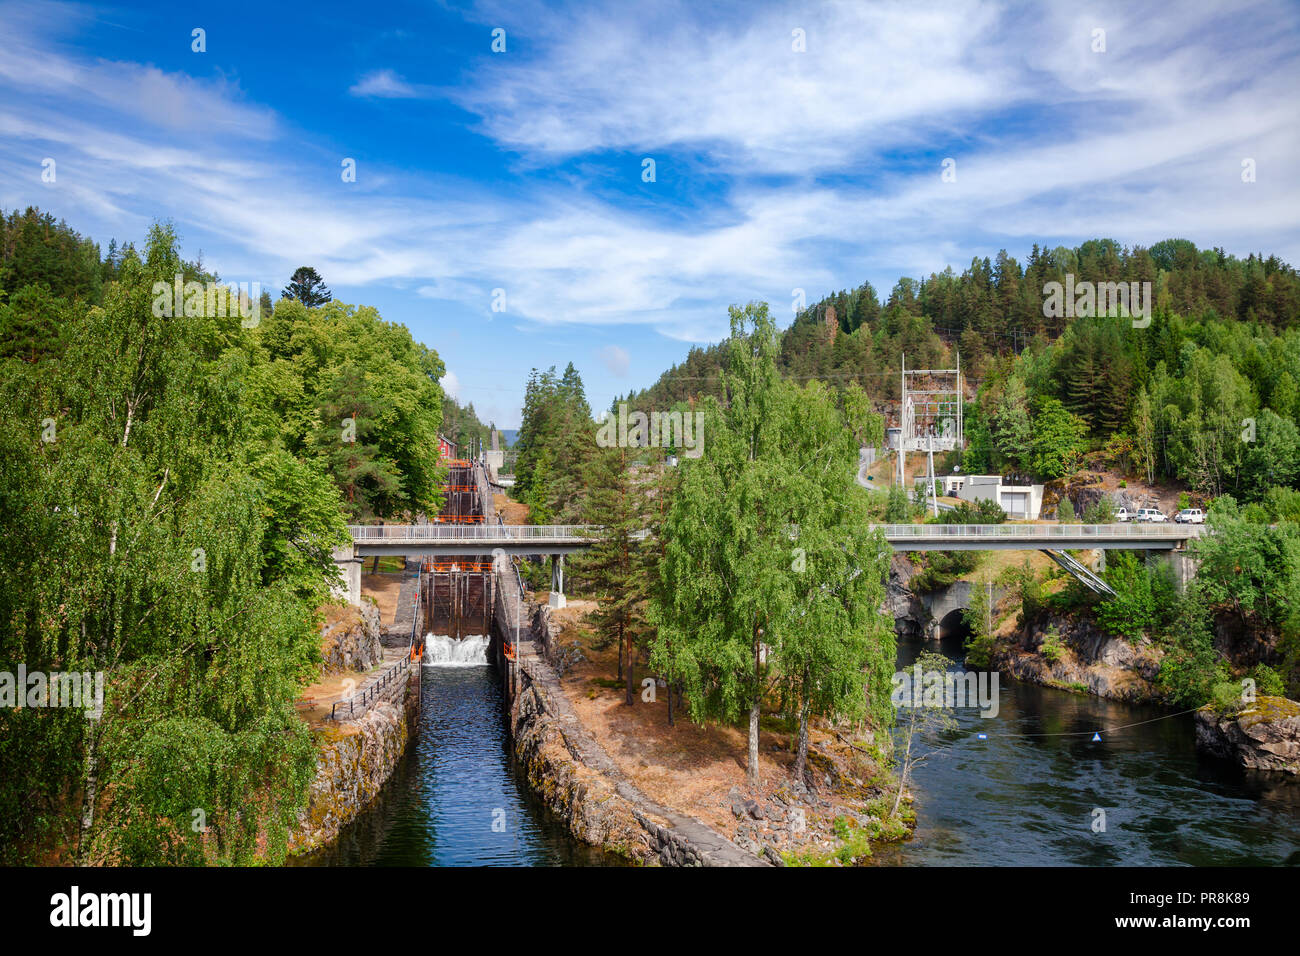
<point>385,84</point>
<point>823,164</point>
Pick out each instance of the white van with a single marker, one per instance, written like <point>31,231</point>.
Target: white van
<point>1153,515</point>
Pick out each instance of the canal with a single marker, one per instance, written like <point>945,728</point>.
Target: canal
<point>458,798</point>
<point>1028,791</point>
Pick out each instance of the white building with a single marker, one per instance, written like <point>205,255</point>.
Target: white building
<point>1018,501</point>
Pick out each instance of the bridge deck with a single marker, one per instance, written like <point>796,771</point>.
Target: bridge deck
<point>563,539</point>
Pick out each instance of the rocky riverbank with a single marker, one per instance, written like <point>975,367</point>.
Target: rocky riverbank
<point>693,808</point>
<point>1263,736</point>
<point>578,782</point>
<point>1071,654</point>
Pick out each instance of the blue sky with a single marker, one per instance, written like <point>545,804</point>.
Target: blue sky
<point>776,168</point>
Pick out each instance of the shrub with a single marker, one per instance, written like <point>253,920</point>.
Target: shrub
<point>1268,682</point>
<point>1051,647</point>
<point>1225,698</point>
<point>1065,511</point>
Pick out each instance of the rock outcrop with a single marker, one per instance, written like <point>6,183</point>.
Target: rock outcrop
<point>1264,736</point>
<point>352,643</point>
<point>1086,658</point>
<point>911,619</point>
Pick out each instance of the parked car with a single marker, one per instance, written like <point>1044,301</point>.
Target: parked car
<point>1190,516</point>
<point>1153,515</point>
<point>1123,515</point>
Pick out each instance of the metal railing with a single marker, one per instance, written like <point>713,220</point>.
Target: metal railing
<point>375,690</point>
<point>523,594</point>
<point>379,688</point>
<point>468,532</point>
<point>1044,532</point>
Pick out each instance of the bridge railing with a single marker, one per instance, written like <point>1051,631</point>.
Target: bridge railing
<point>1044,532</point>
<point>467,532</point>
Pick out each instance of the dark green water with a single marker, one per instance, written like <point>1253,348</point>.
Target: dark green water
<point>1026,794</point>
<point>458,798</point>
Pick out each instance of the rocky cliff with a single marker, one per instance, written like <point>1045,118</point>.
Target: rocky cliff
<point>1083,658</point>
<point>351,642</point>
<point>911,618</point>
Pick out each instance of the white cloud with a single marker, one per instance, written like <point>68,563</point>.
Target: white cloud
<point>615,359</point>
<point>385,84</point>
<point>1139,143</point>
<point>450,384</point>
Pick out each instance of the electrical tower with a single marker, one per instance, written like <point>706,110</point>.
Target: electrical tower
<point>930,417</point>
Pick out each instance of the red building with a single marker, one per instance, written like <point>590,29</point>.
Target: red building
<point>446,448</point>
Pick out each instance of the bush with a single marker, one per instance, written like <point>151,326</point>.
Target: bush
<point>1268,682</point>
<point>1145,599</point>
<point>1100,512</point>
<point>1191,667</point>
<point>1065,511</point>
<point>1225,698</point>
<point>1051,647</point>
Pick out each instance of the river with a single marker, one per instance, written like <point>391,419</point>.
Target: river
<point>458,798</point>
<point>1026,794</point>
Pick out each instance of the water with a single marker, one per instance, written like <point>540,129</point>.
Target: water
<point>443,651</point>
<point>457,779</point>
<point>1020,799</point>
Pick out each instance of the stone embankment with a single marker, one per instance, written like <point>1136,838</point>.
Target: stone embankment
<point>354,760</point>
<point>579,782</point>
<point>1263,736</point>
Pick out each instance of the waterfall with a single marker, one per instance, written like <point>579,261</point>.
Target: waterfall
<point>443,651</point>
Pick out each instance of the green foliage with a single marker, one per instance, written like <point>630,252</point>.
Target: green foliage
<point>1058,439</point>
<point>1051,647</point>
<point>1065,511</point>
<point>1145,598</point>
<point>898,507</point>
<point>621,563</point>
<point>766,543</point>
<point>980,618</point>
<point>1191,666</point>
<point>555,442</point>
<point>169,500</point>
<point>1249,566</point>
<point>1268,682</point>
<point>1226,698</point>
<point>1101,511</point>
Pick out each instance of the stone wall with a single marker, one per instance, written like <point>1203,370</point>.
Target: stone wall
<point>354,760</point>
<point>579,782</point>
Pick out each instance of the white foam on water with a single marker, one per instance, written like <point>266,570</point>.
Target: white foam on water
<point>443,651</point>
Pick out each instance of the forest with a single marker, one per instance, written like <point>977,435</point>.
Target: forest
<point>171,489</point>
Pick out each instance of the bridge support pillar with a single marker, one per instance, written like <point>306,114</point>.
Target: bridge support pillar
<point>1183,565</point>
<point>349,565</point>
<point>557,581</point>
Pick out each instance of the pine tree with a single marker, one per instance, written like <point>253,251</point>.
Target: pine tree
<point>619,564</point>
<point>307,287</point>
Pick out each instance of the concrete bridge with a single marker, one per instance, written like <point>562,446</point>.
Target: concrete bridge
<point>441,540</point>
